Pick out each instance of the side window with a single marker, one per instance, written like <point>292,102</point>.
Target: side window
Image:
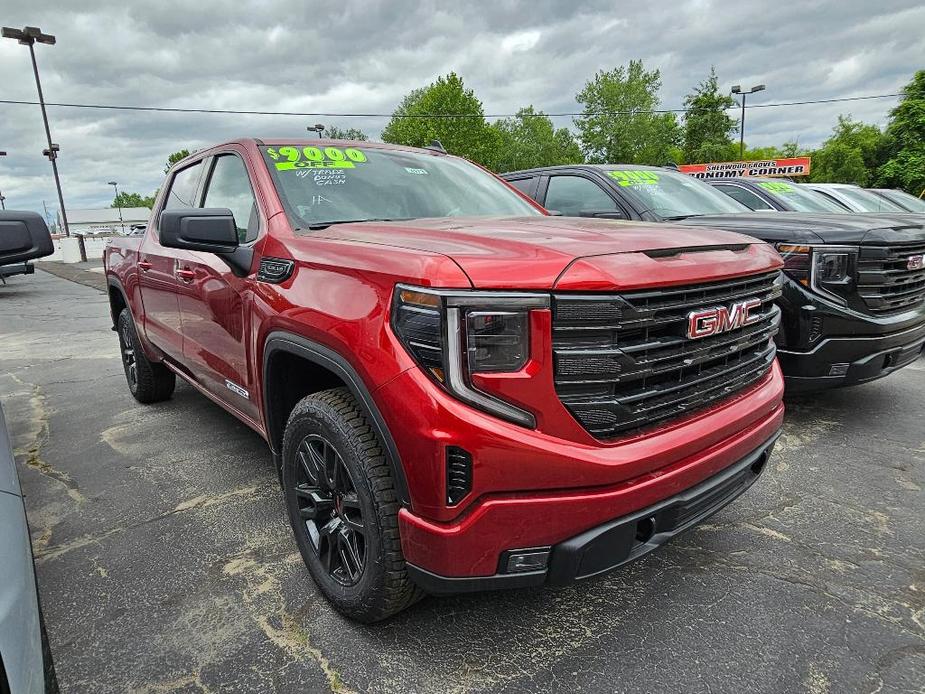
<point>527,186</point>
<point>572,195</point>
<point>183,188</point>
<point>229,186</point>
<point>746,197</point>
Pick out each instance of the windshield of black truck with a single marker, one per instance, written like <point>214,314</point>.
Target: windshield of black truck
<point>671,194</point>
<point>802,199</point>
<point>329,185</point>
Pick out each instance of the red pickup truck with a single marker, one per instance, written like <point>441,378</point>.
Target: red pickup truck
<point>461,391</point>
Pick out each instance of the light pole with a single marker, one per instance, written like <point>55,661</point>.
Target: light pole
<point>737,89</point>
<point>316,128</point>
<point>2,205</point>
<point>28,36</point>
<point>118,204</point>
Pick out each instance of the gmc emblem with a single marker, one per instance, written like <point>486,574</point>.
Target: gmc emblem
<point>712,321</point>
<point>916,262</point>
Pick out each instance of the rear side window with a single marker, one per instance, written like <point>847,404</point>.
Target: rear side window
<point>183,188</point>
<point>572,195</point>
<point>230,187</point>
<point>746,197</point>
<point>527,186</point>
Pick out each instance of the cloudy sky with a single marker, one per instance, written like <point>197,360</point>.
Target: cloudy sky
<point>363,56</point>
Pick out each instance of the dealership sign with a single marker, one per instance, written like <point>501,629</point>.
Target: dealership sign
<point>794,166</point>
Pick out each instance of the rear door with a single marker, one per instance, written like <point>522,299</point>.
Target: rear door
<point>213,300</point>
<point>158,265</point>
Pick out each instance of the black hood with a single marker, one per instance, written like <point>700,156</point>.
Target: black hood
<point>804,227</point>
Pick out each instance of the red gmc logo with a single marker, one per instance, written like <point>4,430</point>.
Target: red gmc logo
<point>712,321</point>
<point>916,262</point>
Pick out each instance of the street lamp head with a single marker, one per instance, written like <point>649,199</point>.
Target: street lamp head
<point>28,35</point>
<point>113,183</point>
<point>737,89</point>
<point>758,88</point>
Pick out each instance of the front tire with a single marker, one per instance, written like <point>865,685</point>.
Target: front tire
<point>343,508</point>
<point>147,381</point>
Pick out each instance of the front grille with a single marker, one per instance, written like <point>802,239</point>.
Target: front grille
<point>885,281</point>
<point>623,362</point>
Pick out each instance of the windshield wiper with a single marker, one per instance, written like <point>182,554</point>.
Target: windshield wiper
<point>324,225</point>
<point>677,217</point>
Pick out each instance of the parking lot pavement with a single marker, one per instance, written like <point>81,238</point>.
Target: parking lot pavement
<point>166,562</point>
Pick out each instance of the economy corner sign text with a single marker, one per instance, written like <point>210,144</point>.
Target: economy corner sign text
<point>794,166</point>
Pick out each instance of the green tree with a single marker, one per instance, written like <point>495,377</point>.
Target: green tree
<point>851,155</point>
<point>175,157</point>
<point>619,125</point>
<point>446,111</point>
<point>708,129</point>
<point>905,140</point>
<point>335,133</point>
<point>124,199</point>
<point>529,139</point>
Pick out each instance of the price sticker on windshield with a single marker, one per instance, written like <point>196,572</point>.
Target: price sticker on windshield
<point>634,178</point>
<point>773,187</point>
<point>290,158</point>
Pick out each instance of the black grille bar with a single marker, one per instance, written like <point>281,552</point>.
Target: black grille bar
<point>888,280</point>
<point>624,362</point>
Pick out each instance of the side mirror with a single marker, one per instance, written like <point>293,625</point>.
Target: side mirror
<point>23,236</point>
<point>211,230</point>
<point>208,230</point>
<point>602,214</point>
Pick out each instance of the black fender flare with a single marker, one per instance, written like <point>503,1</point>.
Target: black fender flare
<point>283,341</point>
<point>114,282</point>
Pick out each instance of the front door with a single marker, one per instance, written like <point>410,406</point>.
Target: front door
<point>212,298</point>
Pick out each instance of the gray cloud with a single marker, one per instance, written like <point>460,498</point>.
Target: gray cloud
<point>362,56</point>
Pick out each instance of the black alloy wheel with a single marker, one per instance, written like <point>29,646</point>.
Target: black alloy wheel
<point>330,509</point>
<point>127,345</point>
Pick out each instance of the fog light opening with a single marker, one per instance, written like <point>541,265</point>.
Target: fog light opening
<point>521,560</point>
<point>759,464</point>
<point>645,529</point>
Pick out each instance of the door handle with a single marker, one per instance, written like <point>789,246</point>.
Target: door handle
<point>144,265</point>
<point>186,275</point>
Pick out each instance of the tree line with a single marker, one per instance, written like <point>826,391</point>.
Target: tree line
<point>621,122</point>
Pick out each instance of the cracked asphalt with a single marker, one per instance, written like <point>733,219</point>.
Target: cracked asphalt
<point>166,563</point>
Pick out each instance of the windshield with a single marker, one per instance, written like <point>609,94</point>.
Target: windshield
<point>901,197</point>
<point>801,199</point>
<point>869,202</point>
<point>327,185</point>
<point>670,194</point>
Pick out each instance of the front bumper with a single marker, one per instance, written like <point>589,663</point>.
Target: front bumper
<point>616,542</point>
<point>845,361</point>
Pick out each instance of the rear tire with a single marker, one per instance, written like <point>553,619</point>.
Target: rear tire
<point>343,507</point>
<point>147,381</point>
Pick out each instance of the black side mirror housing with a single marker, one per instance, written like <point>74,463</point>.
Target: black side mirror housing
<point>23,236</point>
<point>602,214</point>
<point>207,230</point>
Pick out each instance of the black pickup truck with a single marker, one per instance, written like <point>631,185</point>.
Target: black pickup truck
<point>854,295</point>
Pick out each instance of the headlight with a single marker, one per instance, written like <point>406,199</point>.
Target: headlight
<point>453,334</point>
<point>827,270</point>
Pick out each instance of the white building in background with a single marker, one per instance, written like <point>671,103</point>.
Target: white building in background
<point>105,220</point>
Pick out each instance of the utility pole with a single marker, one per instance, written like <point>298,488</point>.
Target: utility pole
<point>28,36</point>
<point>2,205</point>
<point>119,205</point>
<point>737,89</point>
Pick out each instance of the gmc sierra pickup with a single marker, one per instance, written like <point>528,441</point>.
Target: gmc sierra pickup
<point>460,391</point>
<point>854,297</point>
